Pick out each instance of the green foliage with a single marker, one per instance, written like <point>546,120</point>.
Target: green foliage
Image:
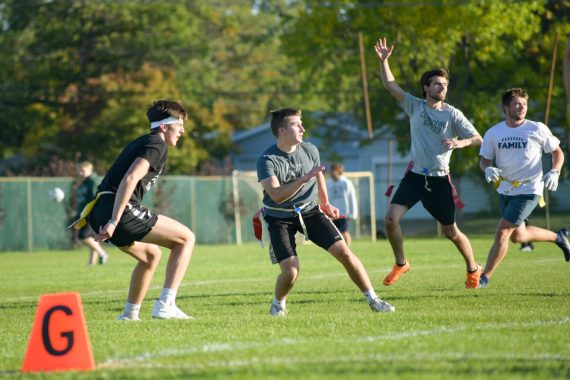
<point>78,75</point>
<point>84,72</point>
<point>487,45</point>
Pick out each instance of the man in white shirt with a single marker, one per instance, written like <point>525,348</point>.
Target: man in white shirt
<point>343,196</point>
<point>515,146</point>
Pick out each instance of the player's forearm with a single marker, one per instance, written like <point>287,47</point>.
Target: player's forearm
<point>389,81</point>
<point>124,192</point>
<point>557,159</point>
<point>285,192</point>
<point>484,163</point>
<point>473,140</point>
<point>322,189</point>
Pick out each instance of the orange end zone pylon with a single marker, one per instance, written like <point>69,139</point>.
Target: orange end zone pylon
<point>59,340</point>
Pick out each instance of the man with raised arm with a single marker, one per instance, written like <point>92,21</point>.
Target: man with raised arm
<point>436,129</point>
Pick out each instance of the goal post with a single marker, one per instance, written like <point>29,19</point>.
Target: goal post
<point>247,195</point>
<point>365,224</point>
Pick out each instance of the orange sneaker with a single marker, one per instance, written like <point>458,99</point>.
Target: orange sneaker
<point>397,271</point>
<point>473,278</point>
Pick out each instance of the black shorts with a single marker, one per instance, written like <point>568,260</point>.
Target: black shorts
<point>438,202</point>
<point>282,232</point>
<point>85,232</point>
<point>341,224</point>
<point>135,224</point>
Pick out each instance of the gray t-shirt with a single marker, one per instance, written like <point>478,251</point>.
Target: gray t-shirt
<point>287,167</point>
<point>428,128</point>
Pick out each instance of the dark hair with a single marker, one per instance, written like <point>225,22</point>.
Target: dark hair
<point>337,166</point>
<point>279,116</point>
<point>425,80</point>
<point>512,93</point>
<point>162,109</point>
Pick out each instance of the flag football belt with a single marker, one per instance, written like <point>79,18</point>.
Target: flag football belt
<point>425,171</point>
<point>514,185</point>
<point>82,221</point>
<point>257,227</point>
<point>298,210</point>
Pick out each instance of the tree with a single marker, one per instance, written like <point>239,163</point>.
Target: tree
<point>79,74</point>
<point>487,45</point>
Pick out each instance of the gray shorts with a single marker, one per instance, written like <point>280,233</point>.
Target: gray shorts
<point>516,208</point>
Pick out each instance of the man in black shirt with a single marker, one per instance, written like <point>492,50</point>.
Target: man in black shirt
<point>119,217</point>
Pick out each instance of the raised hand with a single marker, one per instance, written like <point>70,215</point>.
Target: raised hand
<point>382,49</point>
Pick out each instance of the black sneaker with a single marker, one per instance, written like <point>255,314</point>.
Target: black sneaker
<point>562,242</point>
<point>483,281</point>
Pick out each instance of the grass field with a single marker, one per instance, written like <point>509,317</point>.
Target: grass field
<point>518,328</point>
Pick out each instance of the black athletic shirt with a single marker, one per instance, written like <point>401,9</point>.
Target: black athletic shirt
<point>152,148</point>
<point>85,193</point>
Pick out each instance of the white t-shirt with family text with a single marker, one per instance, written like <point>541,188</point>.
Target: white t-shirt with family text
<point>518,153</point>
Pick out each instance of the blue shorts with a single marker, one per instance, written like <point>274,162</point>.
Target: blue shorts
<point>516,208</point>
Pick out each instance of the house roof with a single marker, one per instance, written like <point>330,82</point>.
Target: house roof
<point>244,135</point>
<point>343,121</point>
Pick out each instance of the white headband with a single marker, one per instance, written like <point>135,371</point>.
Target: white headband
<point>168,120</point>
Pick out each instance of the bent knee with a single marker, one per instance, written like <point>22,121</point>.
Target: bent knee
<point>153,255</point>
<point>290,273</point>
<point>391,222</point>
<point>342,253</point>
<point>451,232</point>
<point>185,237</point>
<point>517,238</point>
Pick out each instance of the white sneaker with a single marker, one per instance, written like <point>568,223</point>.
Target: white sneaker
<point>103,259</point>
<point>123,317</point>
<point>277,311</point>
<point>380,306</point>
<point>164,311</point>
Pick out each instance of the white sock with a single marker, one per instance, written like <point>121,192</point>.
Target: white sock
<point>370,295</point>
<point>276,302</point>
<point>131,310</point>
<point>168,296</point>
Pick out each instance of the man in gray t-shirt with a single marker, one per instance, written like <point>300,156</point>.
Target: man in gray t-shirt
<point>291,175</point>
<point>436,129</point>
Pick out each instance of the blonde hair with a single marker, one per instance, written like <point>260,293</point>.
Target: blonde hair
<point>85,165</point>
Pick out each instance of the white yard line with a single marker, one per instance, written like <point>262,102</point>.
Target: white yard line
<point>340,273</point>
<point>142,361</point>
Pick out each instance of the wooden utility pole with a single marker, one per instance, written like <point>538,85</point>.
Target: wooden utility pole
<point>546,117</point>
<point>365,86</point>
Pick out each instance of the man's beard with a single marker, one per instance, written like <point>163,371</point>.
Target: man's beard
<point>517,117</point>
<point>437,97</point>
